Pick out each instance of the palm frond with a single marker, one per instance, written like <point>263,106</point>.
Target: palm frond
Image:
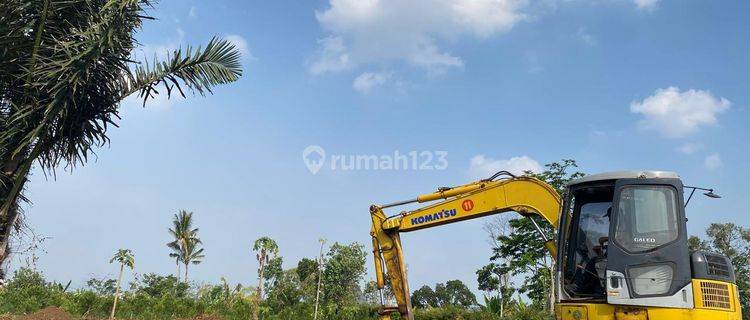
<point>199,70</point>
<point>124,257</point>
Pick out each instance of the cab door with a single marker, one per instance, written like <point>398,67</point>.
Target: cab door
<point>648,257</point>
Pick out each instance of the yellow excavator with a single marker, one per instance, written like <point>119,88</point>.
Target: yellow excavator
<point>621,247</point>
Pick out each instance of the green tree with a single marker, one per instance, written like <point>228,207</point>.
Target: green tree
<point>453,293</point>
<point>157,286</point>
<point>186,246</point>
<point>732,241</point>
<point>307,269</point>
<point>695,244</point>
<point>307,273</point>
<point>344,270</point>
<point>286,291</point>
<point>424,297</point>
<point>274,272</point>
<point>126,259</point>
<point>65,67</point>
<point>102,286</point>
<point>495,278</point>
<point>522,252</point>
<point>266,251</point>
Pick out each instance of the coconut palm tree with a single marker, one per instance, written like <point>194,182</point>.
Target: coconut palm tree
<point>186,246</point>
<point>65,67</point>
<point>126,259</point>
<point>192,253</point>
<point>265,249</point>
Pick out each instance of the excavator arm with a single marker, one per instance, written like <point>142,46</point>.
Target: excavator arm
<point>526,195</point>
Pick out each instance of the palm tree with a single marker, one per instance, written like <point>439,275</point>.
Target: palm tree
<point>65,67</point>
<point>125,258</point>
<point>186,245</point>
<point>265,250</point>
<point>192,254</point>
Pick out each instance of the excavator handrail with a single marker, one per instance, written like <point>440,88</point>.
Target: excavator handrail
<point>526,195</point>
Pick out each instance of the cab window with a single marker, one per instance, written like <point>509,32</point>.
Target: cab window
<point>586,241</point>
<point>646,218</point>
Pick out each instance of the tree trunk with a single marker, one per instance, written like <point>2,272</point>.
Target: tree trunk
<point>552,289</point>
<point>117,292</point>
<point>259,290</point>
<point>320,279</point>
<point>186,273</point>
<point>501,295</point>
<point>8,208</point>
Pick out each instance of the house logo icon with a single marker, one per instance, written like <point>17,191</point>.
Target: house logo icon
<point>314,157</point>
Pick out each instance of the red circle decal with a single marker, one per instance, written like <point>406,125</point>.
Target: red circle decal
<point>467,205</point>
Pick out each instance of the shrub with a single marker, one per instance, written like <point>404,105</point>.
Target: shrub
<point>164,297</point>
<point>28,292</point>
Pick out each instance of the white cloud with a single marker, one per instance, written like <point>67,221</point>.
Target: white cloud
<point>481,167</point>
<point>713,161</point>
<point>646,4</point>
<point>690,148</point>
<point>333,56</point>
<point>193,12</point>
<point>368,80</point>
<point>241,44</point>
<point>377,31</point>
<point>677,114</point>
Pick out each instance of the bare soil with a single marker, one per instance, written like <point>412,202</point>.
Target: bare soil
<point>49,313</point>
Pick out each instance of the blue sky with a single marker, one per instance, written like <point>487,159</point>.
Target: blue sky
<point>614,84</point>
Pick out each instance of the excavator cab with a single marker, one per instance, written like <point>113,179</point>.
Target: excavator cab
<point>623,244</point>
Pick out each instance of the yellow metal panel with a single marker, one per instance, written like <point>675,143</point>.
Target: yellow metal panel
<point>594,311</point>
<point>387,246</point>
<point>574,313</point>
<point>716,295</point>
<point>524,195</point>
<point>631,313</point>
<point>603,311</point>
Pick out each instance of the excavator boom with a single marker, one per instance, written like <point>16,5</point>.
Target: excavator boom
<point>525,195</point>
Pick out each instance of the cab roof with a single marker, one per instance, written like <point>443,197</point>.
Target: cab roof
<point>629,174</point>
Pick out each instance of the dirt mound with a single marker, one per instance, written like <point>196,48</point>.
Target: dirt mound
<point>49,313</point>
